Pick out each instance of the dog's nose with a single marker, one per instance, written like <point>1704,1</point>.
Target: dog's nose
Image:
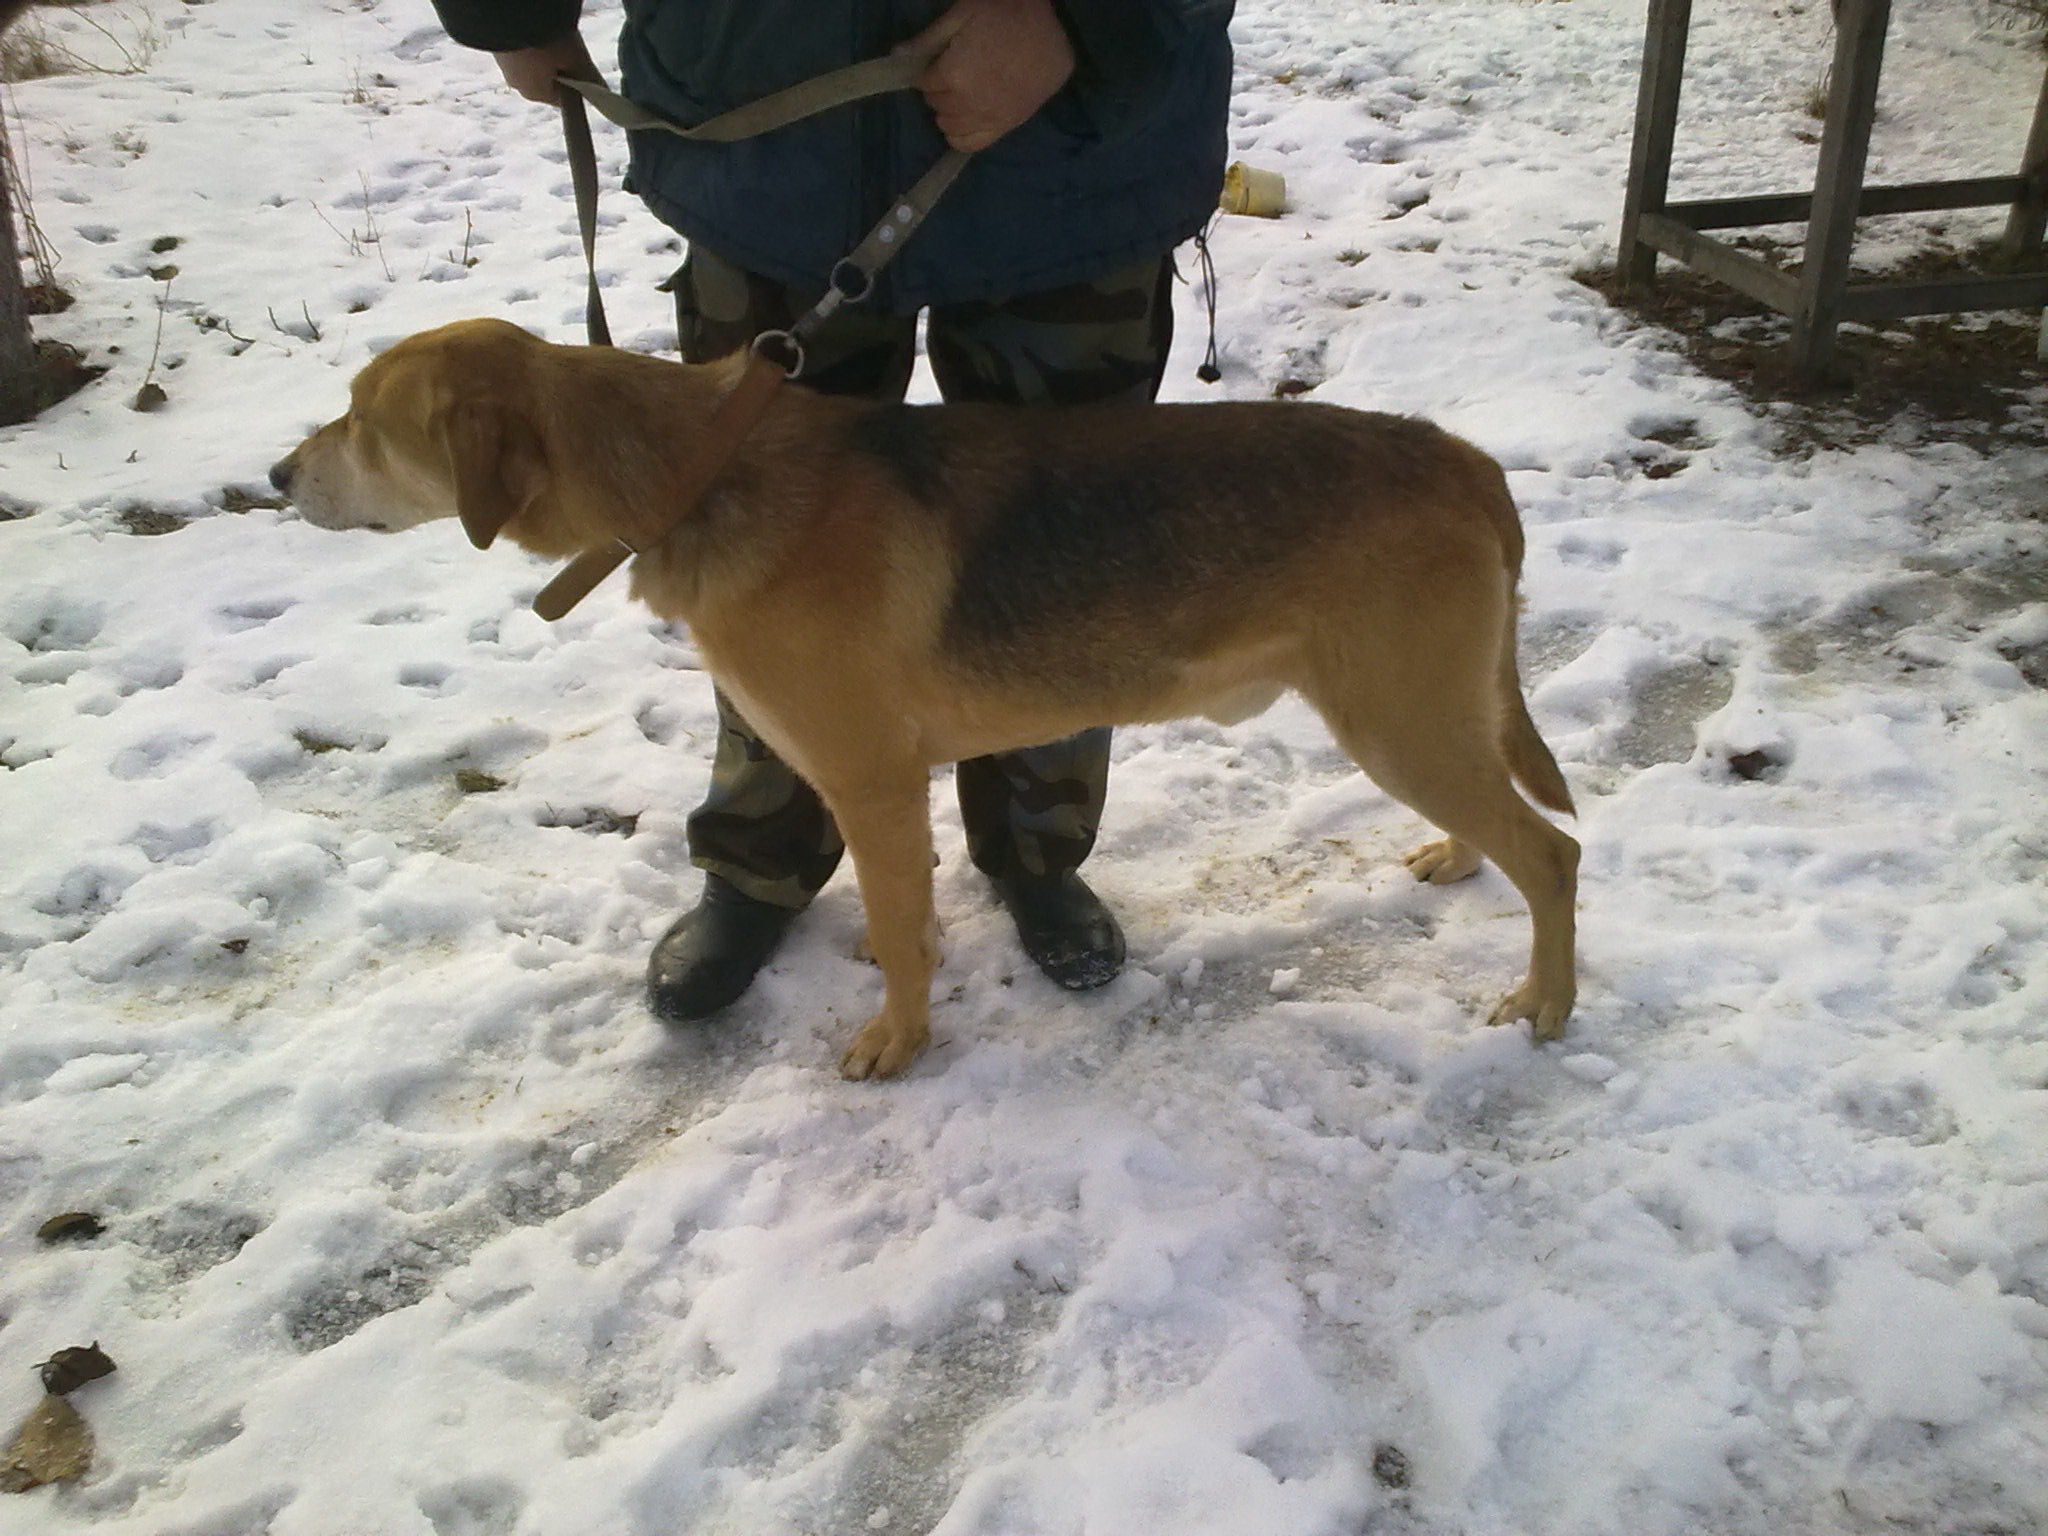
<point>281,476</point>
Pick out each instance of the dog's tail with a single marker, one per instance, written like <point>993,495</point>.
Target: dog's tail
<point>1528,757</point>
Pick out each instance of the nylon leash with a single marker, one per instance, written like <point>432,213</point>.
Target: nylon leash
<point>776,356</point>
<point>583,182</point>
<point>835,88</point>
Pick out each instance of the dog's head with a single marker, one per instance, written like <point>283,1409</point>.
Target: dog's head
<point>438,426</point>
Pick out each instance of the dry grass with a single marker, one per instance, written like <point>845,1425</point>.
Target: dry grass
<point>33,49</point>
<point>119,41</point>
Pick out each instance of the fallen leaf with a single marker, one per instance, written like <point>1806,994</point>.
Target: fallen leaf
<point>53,1445</point>
<point>69,1369</point>
<point>71,1227</point>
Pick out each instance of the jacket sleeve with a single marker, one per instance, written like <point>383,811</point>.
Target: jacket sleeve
<point>1125,49</point>
<point>502,26</point>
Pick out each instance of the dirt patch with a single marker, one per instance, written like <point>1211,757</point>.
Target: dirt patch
<point>1974,379</point>
<point>59,373</point>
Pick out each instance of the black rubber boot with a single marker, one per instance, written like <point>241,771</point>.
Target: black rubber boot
<point>1064,927</point>
<point>710,954</point>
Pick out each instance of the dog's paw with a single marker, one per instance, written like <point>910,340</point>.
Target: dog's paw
<point>883,1048</point>
<point>1441,862</point>
<point>1546,1015</point>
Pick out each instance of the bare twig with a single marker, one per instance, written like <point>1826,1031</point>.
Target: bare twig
<point>372,236</point>
<point>151,396</point>
<point>14,167</point>
<point>356,240</point>
<point>133,60</point>
<point>32,52</point>
<point>353,241</point>
<point>310,333</point>
<point>163,305</point>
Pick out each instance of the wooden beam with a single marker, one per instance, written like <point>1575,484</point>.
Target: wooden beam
<point>1797,207</point>
<point>1962,295</point>
<point>1721,261</point>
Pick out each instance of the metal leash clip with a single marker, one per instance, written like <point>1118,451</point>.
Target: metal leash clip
<point>852,281</point>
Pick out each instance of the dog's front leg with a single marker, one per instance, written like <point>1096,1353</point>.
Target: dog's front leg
<point>888,831</point>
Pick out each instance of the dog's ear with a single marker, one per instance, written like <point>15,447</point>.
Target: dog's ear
<point>499,471</point>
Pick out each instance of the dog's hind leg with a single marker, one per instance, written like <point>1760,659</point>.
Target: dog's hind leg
<point>1528,760</point>
<point>887,827</point>
<point>1440,754</point>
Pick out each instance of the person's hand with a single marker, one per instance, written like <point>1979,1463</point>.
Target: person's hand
<point>531,71</point>
<point>998,62</point>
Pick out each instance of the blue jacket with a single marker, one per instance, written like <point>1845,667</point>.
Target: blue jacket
<point>1123,163</point>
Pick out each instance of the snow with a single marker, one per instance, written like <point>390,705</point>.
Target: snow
<point>331,872</point>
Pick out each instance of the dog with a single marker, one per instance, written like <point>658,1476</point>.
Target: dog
<point>883,588</point>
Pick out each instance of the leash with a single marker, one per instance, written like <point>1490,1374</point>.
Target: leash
<point>778,109</point>
<point>775,356</point>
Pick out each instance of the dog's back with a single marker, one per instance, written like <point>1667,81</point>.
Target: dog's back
<point>1094,543</point>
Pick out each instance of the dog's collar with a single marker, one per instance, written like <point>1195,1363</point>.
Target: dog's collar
<point>853,279</point>
<point>727,429</point>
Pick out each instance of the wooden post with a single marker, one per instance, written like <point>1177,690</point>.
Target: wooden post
<point>2023,230</point>
<point>1844,150</point>
<point>1649,167</point>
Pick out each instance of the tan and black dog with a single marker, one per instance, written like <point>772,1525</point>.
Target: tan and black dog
<point>884,588</point>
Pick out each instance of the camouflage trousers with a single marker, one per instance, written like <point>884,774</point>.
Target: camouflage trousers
<point>1030,812</point>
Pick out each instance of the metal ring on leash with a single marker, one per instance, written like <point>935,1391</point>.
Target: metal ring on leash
<point>852,280</point>
<point>844,271</point>
<point>792,362</point>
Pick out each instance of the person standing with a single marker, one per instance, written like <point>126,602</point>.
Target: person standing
<point>1045,273</point>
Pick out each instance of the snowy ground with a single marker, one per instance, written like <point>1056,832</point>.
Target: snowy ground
<point>330,870</point>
